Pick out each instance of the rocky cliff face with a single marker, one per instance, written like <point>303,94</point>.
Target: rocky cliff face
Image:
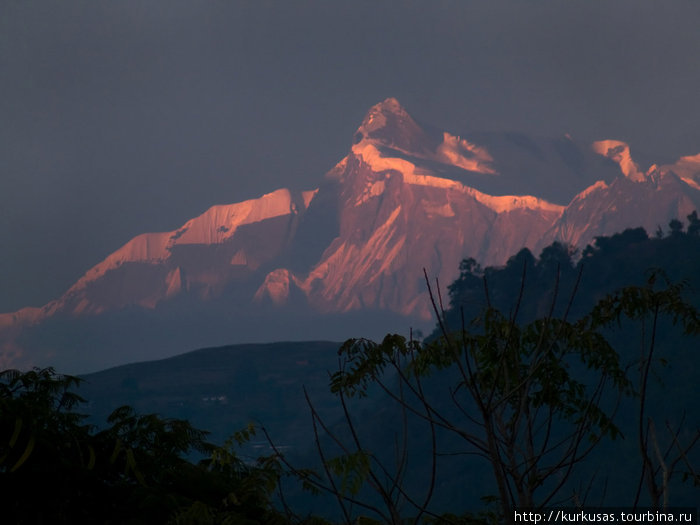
<point>404,199</point>
<point>396,216</point>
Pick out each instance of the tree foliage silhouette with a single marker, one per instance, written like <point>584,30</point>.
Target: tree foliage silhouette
<point>54,468</point>
<point>533,395</point>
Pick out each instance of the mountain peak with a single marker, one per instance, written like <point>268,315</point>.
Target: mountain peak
<point>391,104</point>
<point>388,124</point>
<point>619,152</point>
<point>389,112</point>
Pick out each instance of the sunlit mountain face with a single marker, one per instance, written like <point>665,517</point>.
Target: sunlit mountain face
<point>346,258</point>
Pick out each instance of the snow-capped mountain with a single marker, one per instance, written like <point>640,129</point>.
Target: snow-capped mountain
<point>648,198</point>
<point>406,197</point>
<point>398,212</point>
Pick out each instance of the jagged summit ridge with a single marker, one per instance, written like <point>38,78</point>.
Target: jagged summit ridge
<point>390,113</point>
<point>215,226</point>
<point>389,138</point>
<point>388,124</point>
<point>686,168</point>
<point>619,152</point>
<point>403,198</point>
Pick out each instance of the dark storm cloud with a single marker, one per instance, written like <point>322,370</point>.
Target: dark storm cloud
<point>123,117</point>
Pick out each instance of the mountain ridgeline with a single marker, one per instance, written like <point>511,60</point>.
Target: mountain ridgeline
<point>348,256</point>
<point>566,281</point>
<point>217,378</point>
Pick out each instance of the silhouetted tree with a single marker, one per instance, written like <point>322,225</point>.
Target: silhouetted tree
<point>693,224</point>
<point>676,227</point>
<point>533,399</point>
<point>54,468</point>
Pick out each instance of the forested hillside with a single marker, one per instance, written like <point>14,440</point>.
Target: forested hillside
<point>567,378</point>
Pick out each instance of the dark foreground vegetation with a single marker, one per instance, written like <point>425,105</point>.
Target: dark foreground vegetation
<point>546,382</point>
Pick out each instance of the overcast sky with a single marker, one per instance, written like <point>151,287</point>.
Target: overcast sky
<point>122,117</point>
